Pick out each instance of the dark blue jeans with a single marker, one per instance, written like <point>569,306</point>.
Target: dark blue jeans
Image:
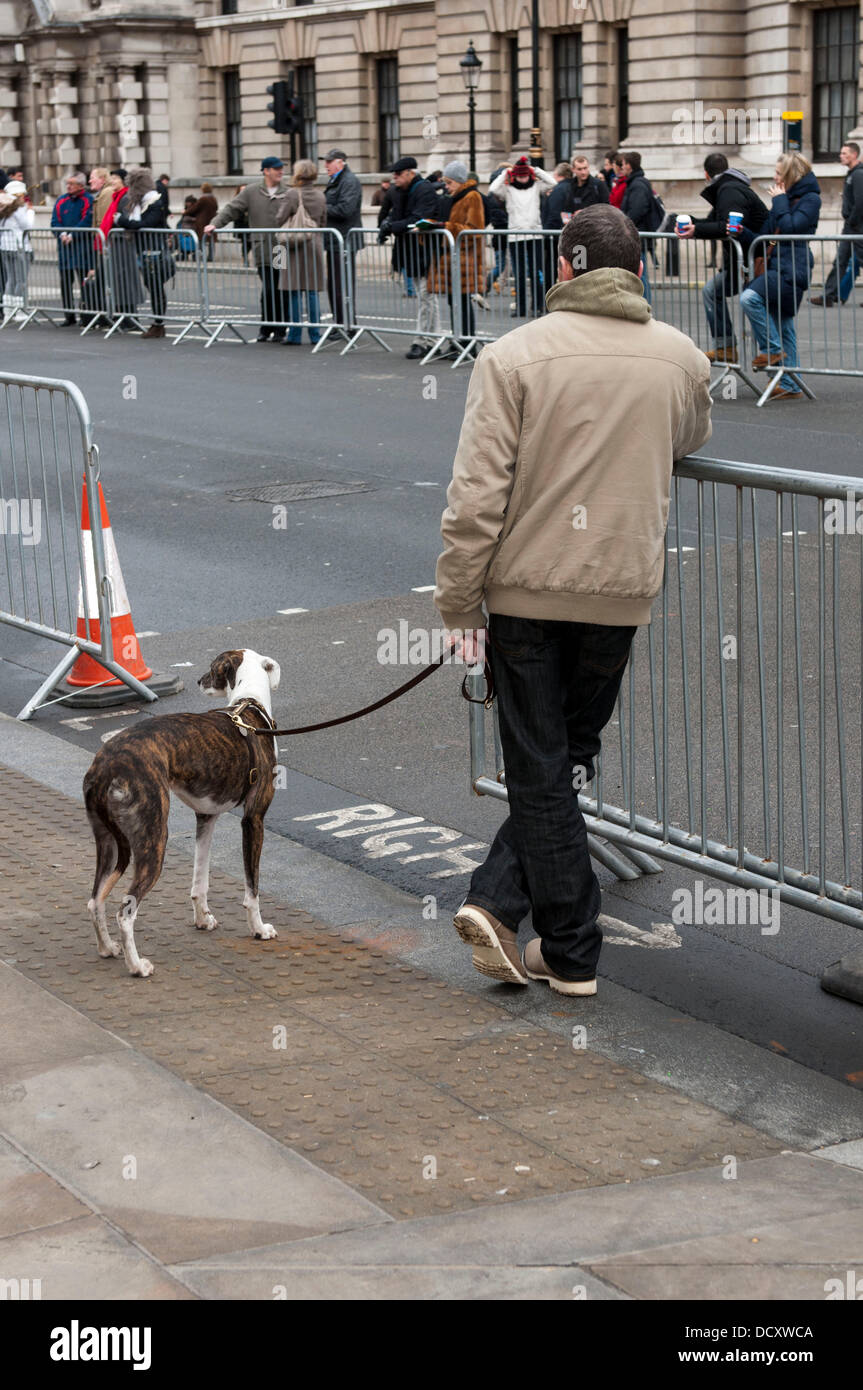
<point>557,684</point>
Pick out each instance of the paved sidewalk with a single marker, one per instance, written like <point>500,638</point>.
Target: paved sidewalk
<point>318,1114</point>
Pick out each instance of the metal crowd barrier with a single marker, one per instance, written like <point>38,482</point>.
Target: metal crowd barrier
<point>147,280</point>
<point>688,280</point>
<point>385,299</point>
<point>737,747</point>
<point>52,584</point>
<point>504,277</point>
<point>816,340</point>
<point>278,280</point>
<point>53,276</point>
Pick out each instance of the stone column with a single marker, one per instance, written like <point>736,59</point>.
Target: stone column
<point>157,121</point>
<point>128,94</point>
<point>58,127</point>
<point>10,128</point>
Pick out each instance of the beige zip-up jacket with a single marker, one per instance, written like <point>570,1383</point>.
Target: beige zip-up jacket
<point>559,498</point>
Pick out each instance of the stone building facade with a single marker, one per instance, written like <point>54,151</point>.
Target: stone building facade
<point>181,84</point>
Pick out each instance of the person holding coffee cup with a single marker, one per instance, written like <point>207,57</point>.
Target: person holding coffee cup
<point>730,194</point>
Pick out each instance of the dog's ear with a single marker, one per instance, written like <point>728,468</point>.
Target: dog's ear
<point>222,673</point>
<point>273,670</point>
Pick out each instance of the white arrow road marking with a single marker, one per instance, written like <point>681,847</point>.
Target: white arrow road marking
<point>663,936</point>
<point>84,722</point>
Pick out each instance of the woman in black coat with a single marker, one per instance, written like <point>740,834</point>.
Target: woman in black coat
<point>143,210</point>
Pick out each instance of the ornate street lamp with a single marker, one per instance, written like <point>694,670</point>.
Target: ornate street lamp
<point>471,66</point>
<point>536,156</point>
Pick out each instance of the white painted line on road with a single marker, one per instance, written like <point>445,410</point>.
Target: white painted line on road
<point>288,611</point>
<point>423,589</point>
<point>684,549</point>
<point>799,533</point>
<point>663,937</point>
<point>149,634</point>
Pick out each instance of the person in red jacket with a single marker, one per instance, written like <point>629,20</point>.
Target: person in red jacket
<point>618,188</point>
<point>95,289</point>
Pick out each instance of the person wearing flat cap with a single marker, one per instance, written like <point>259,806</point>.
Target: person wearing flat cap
<point>261,202</point>
<point>414,199</point>
<point>344,195</point>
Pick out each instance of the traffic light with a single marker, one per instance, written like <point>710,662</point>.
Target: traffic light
<point>294,115</point>
<point>286,108</point>
<point>279,107</point>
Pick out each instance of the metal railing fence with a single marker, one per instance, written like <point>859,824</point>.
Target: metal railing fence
<point>403,286</point>
<point>739,727</point>
<point>280,282</point>
<point>53,582</point>
<point>799,337</point>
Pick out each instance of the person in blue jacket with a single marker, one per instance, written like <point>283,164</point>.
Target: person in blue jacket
<point>74,251</point>
<point>772,299</point>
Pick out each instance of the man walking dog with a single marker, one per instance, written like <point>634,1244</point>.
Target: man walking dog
<point>556,521</point>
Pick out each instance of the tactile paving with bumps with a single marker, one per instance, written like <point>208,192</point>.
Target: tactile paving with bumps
<point>422,1096</point>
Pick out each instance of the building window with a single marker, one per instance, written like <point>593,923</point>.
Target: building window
<point>229,6</point>
<point>514,112</point>
<point>233,122</point>
<point>835,78</point>
<point>388,112</point>
<point>306,94</point>
<point>567,93</point>
<point>622,83</point>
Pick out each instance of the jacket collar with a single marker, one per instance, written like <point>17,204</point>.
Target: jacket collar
<point>611,292</point>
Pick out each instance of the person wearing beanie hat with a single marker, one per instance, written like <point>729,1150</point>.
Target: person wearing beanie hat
<point>456,171</point>
<point>16,220</point>
<point>466,214</point>
<point>519,186</point>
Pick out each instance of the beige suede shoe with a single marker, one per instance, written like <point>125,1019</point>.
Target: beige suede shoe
<point>495,948</point>
<point>537,969</point>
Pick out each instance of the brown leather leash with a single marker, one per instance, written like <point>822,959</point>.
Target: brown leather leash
<point>234,712</point>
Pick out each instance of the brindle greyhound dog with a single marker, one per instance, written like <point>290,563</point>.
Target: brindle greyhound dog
<point>212,765</point>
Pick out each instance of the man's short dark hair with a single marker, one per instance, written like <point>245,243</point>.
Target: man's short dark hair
<point>852,145</point>
<point>600,236</point>
<point>611,155</point>
<point>633,158</point>
<point>715,164</point>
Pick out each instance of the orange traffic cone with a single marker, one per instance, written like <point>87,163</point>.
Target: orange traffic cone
<point>127,652</point>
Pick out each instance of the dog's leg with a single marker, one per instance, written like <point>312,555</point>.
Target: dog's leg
<point>253,839</point>
<point>204,919</point>
<point>149,845</point>
<point>112,859</point>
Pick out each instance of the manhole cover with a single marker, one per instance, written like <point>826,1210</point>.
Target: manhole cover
<point>294,492</point>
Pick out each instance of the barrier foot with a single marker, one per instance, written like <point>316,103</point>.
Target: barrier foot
<point>180,336</point>
<point>29,319</point>
<point>437,348</point>
<point>770,388</point>
<point>330,328</point>
<point>107,696</point>
<point>119,319</point>
<point>465,352</point>
<point>609,857</point>
<point>845,977</point>
<point>90,324</point>
<point>645,862</point>
<point>215,333</point>
<point>63,666</point>
<point>734,371</point>
<point>352,342</point>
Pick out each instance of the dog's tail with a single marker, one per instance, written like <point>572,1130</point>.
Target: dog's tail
<point>102,822</point>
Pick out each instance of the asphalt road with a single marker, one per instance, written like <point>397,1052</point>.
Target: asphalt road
<point>205,572</point>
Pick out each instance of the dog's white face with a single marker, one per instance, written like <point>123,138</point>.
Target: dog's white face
<point>240,668</point>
